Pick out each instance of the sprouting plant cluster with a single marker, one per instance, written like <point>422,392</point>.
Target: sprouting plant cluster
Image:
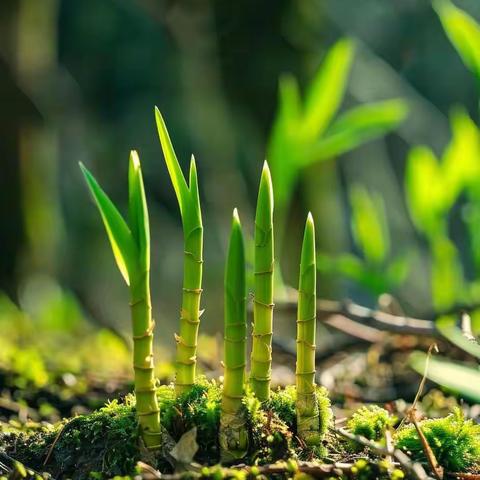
<point>130,241</point>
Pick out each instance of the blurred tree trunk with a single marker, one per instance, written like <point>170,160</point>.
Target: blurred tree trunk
<point>35,63</point>
<point>17,110</point>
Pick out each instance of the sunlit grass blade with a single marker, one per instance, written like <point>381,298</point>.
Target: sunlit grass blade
<point>459,378</point>
<point>308,415</point>
<point>233,431</point>
<point>357,126</point>
<point>464,33</point>
<point>123,244</point>
<point>327,89</point>
<point>261,360</point>
<point>176,174</point>
<point>131,248</point>
<point>189,202</point>
<point>138,211</point>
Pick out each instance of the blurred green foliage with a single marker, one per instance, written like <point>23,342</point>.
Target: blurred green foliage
<point>81,80</point>
<point>375,270</point>
<point>54,338</point>
<point>306,131</point>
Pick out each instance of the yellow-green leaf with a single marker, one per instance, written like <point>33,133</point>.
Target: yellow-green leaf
<point>357,126</point>
<point>123,245</point>
<point>327,89</point>
<point>464,33</point>
<point>138,211</point>
<point>464,380</point>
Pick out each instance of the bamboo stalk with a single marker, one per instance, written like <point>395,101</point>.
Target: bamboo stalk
<point>189,203</point>
<point>131,248</point>
<point>261,358</point>
<point>308,417</point>
<point>233,434</point>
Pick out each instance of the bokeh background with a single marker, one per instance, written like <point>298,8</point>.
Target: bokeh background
<point>79,82</point>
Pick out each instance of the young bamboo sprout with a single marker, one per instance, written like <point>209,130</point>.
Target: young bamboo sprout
<point>263,304</point>
<point>189,202</point>
<point>308,419</point>
<point>233,431</point>
<point>131,248</point>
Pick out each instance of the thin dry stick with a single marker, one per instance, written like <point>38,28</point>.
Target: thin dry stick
<point>314,469</point>
<point>52,446</point>
<point>433,348</point>
<point>432,460</point>
<point>414,468</point>
<point>412,416</point>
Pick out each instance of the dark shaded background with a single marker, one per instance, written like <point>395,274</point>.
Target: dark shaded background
<point>79,80</point>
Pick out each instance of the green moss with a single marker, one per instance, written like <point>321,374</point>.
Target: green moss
<point>200,408</point>
<point>454,440</point>
<point>371,422</point>
<point>107,442</point>
<point>282,403</point>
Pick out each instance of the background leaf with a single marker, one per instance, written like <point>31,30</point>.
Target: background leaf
<point>357,126</point>
<point>369,225</point>
<point>457,377</point>
<point>327,89</point>
<point>464,33</point>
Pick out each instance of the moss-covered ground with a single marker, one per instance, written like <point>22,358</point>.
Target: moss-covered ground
<point>106,443</point>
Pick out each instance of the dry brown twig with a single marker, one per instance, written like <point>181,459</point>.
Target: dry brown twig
<point>414,468</point>
<point>412,416</point>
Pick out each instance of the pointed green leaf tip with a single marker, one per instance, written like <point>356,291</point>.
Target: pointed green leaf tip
<point>264,212</point>
<point>123,244</point>
<point>235,268</point>
<point>138,211</point>
<point>308,246</point>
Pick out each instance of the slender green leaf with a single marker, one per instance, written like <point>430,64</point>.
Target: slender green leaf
<point>457,377</point>
<point>174,170</point>
<point>194,194</point>
<point>327,89</point>
<point>121,239</point>
<point>357,126</point>
<point>138,211</point>
<point>464,33</point>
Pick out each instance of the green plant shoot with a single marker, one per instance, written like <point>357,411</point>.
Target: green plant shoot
<point>261,364</point>
<point>131,248</point>
<point>189,202</point>
<point>308,418</point>
<point>233,430</point>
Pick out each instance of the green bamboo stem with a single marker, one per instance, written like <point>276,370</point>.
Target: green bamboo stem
<point>308,420</point>
<point>147,408</point>
<point>261,358</point>
<point>189,202</point>
<point>131,247</point>
<point>233,433</point>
